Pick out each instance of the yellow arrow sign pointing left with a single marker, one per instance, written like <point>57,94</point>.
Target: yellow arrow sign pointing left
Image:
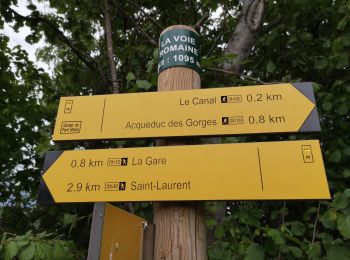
<point>245,171</point>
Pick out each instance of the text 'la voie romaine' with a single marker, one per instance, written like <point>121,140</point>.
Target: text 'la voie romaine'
<point>179,43</point>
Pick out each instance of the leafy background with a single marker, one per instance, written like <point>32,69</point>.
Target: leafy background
<point>299,41</point>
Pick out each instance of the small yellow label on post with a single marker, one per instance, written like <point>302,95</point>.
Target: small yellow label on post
<point>122,235</point>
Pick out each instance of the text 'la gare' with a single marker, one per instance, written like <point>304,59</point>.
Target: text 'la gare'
<point>149,161</point>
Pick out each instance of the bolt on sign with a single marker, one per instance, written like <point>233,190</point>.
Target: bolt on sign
<point>274,108</point>
<point>243,171</point>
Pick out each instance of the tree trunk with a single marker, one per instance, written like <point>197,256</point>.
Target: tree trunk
<point>110,49</point>
<point>244,35</point>
<point>241,43</point>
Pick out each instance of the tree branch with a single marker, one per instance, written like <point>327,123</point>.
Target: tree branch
<point>60,34</point>
<point>315,224</point>
<point>86,59</point>
<point>138,27</point>
<point>201,21</point>
<point>283,213</point>
<point>146,14</point>
<point>237,74</point>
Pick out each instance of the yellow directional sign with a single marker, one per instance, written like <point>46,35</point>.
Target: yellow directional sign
<point>243,171</point>
<point>219,111</point>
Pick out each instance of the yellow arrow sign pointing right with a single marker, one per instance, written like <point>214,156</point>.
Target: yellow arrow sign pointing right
<point>206,112</point>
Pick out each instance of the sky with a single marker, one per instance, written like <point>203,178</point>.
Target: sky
<point>18,38</point>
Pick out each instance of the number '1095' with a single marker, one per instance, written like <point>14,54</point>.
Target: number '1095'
<point>185,58</point>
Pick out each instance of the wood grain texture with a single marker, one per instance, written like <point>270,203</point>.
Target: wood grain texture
<point>180,226</point>
<point>148,242</point>
<point>180,231</point>
<point>178,78</point>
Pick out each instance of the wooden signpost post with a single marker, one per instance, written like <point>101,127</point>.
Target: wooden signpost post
<point>180,227</point>
<point>176,177</point>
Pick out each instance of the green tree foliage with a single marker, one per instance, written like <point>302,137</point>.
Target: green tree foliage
<point>21,119</point>
<point>40,246</point>
<point>24,126</point>
<point>299,41</point>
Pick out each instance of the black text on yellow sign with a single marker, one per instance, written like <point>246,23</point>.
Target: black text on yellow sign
<point>221,111</point>
<point>245,171</point>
